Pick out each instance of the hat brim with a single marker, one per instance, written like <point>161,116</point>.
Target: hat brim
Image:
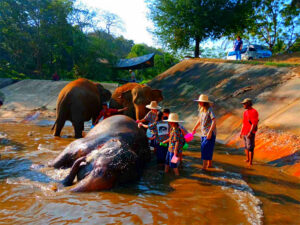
<point>202,101</point>
<point>174,121</point>
<point>149,107</point>
<point>244,102</point>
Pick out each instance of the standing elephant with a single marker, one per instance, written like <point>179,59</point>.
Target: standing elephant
<point>79,101</point>
<point>134,96</point>
<point>114,151</point>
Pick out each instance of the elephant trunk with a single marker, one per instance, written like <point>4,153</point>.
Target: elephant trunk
<point>94,183</point>
<point>140,111</point>
<point>62,161</point>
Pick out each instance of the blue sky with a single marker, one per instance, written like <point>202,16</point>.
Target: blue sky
<point>134,15</point>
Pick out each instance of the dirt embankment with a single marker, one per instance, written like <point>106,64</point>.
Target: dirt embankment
<point>276,95</point>
<point>25,98</point>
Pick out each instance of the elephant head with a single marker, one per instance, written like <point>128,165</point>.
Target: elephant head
<point>105,94</point>
<point>139,97</point>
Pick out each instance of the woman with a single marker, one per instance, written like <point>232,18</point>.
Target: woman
<point>207,123</point>
<point>160,132</point>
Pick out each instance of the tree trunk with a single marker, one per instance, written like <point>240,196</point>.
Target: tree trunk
<point>197,47</point>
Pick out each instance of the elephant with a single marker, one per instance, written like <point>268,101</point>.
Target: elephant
<point>79,101</point>
<point>134,96</point>
<point>115,151</point>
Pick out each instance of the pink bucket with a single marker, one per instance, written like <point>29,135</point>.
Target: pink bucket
<point>174,159</point>
<point>189,137</point>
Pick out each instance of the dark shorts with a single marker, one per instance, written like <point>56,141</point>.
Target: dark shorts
<point>249,142</point>
<point>169,157</point>
<point>207,147</point>
<point>161,153</point>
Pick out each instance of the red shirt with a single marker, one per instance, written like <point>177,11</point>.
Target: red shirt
<point>106,113</point>
<point>250,117</point>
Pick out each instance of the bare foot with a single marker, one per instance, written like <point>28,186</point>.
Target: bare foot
<point>249,164</point>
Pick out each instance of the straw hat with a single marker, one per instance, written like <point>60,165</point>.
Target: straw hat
<point>173,117</point>
<point>203,98</point>
<point>153,105</point>
<point>246,100</point>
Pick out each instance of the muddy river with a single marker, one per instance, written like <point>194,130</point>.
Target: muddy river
<point>231,193</point>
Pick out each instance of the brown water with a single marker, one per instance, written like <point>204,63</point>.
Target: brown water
<point>229,194</point>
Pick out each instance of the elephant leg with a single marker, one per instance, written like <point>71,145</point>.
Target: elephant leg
<point>78,127</point>
<point>60,123</point>
<point>68,181</point>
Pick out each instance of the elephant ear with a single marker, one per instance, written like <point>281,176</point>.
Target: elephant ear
<point>157,95</point>
<point>126,96</point>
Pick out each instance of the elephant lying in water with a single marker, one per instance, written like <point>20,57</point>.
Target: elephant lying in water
<point>114,151</point>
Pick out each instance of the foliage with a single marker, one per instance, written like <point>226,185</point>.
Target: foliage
<point>276,24</point>
<point>179,23</point>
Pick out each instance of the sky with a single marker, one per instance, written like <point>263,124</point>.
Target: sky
<point>134,15</point>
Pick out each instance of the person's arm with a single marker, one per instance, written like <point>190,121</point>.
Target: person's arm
<point>176,148</point>
<point>211,129</point>
<point>166,141</point>
<point>196,126</point>
<point>241,45</point>
<point>143,125</point>
<point>122,110</point>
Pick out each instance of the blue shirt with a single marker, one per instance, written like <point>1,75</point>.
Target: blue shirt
<point>237,45</point>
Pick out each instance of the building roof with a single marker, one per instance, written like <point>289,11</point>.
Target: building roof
<point>137,62</point>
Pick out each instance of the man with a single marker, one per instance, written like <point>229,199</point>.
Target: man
<point>238,45</point>
<point>107,112</point>
<point>249,128</point>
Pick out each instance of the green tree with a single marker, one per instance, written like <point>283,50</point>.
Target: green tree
<point>276,24</point>
<point>181,23</point>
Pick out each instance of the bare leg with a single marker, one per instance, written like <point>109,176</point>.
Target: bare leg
<point>167,167</point>
<point>204,165</point>
<point>176,171</point>
<point>251,157</point>
<point>247,155</point>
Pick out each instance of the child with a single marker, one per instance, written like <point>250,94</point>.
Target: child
<point>160,131</point>
<point>176,142</point>
<point>151,116</point>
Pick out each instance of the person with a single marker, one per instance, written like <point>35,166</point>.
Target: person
<point>207,123</point>
<point>176,142</point>
<point>107,112</point>
<point>249,128</point>
<point>55,77</point>
<point>237,47</point>
<point>151,115</point>
<point>1,103</point>
<point>160,131</point>
<point>166,113</point>
<point>132,76</point>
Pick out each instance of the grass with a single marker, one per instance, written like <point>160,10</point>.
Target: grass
<point>251,62</point>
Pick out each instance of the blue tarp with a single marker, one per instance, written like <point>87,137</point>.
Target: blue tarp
<point>137,62</point>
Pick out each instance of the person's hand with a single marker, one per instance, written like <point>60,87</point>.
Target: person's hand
<point>194,131</point>
<point>249,135</point>
<point>241,136</point>
<point>126,108</point>
<point>176,153</point>
<point>139,124</point>
<point>208,136</point>
<point>137,121</point>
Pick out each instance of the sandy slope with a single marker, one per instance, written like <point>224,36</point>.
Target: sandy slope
<point>276,93</point>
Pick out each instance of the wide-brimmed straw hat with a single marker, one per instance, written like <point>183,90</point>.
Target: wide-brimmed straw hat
<point>173,117</point>
<point>153,105</point>
<point>203,98</point>
<point>246,100</point>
